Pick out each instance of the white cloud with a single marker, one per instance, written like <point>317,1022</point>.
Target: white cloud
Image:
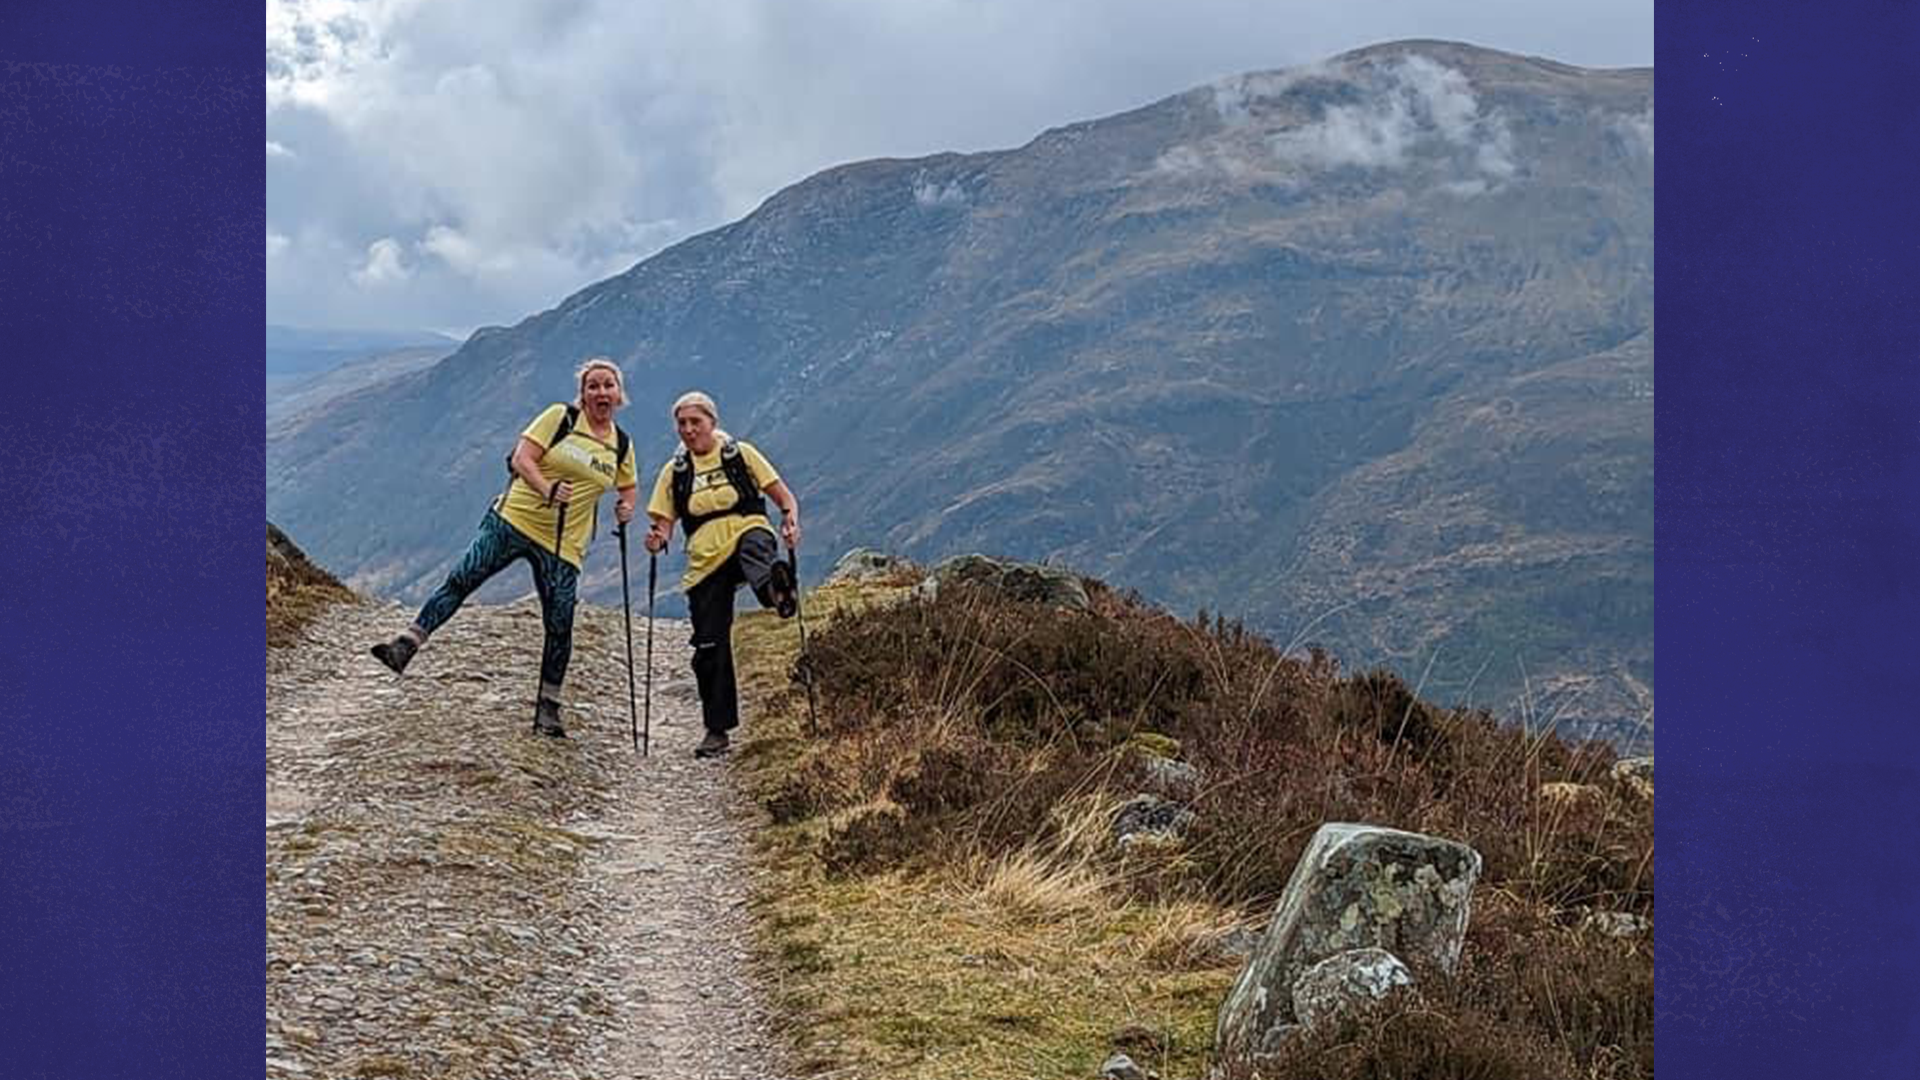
<point>1238,97</point>
<point>514,153</point>
<point>384,265</point>
<point>1408,103</point>
<point>1636,130</point>
<point>928,193</point>
<point>276,243</point>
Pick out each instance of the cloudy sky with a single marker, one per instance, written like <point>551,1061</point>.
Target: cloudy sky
<point>447,164</point>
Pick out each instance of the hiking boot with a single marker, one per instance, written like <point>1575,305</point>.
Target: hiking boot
<point>713,745</point>
<point>396,654</point>
<point>546,719</point>
<point>783,589</point>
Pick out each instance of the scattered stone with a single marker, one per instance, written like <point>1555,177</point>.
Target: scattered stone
<point>1171,779</point>
<point>1121,1067</point>
<point>1153,744</point>
<point>1150,816</point>
<point>1030,582</point>
<point>1619,924</point>
<point>1355,887</point>
<point>1636,774</point>
<point>866,564</point>
<point>1345,981</point>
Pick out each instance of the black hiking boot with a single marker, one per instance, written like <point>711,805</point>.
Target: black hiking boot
<point>784,591</point>
<point>546,719</point>
<point>713,745</point>
<point>396,654</point>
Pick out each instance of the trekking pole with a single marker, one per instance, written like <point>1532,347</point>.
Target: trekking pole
<point>806,661</point>
<point>653,569</point>
<point>626,608</point>
<point>559,538</point>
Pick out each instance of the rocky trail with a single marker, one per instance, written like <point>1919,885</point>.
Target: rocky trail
<point>450,896</point>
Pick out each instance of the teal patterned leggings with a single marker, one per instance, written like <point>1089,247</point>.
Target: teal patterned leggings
<point>498,546</point>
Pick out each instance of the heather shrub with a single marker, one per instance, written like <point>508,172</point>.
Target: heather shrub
<point>966,729</point>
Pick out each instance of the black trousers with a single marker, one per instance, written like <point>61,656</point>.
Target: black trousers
<point>710,606</point>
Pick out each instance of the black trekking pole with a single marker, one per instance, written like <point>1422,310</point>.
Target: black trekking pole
<point>806,661</point>
<point>626,608</point>
<point>559,545</point>
<point>653,569</point>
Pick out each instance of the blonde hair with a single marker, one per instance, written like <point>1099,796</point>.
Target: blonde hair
<point>602,363</point>
<point>699,401</point>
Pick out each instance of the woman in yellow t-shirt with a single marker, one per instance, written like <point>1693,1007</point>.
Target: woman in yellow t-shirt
<point>563,463</point>
<point>716,487</point>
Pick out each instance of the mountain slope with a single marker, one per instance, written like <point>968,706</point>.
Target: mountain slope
<point>1374,332</point>
<point>293,350</point>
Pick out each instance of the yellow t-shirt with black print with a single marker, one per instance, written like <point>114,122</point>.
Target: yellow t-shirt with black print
<point>713,543</point>
<point>580,459</point>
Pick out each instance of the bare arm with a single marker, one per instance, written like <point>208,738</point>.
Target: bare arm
<point>789,512</point>
<point>526,465</point>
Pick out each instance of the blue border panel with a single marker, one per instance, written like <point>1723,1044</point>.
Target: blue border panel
<point>1788,531</point>
<point>132,921</point>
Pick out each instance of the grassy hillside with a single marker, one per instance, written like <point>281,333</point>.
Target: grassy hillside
<point>297,590</point>
<point>943,896</point>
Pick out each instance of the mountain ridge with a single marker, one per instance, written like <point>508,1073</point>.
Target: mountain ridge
<point>1225,345</point>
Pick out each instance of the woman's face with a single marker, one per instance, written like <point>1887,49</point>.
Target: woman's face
<point>601,391</point>
<point>695,427</point>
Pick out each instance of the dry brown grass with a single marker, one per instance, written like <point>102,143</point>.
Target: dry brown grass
<point>297,590</point>
<point>959,791</point>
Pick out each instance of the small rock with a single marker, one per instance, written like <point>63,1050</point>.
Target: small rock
<point>1030,582</point>
<point>1172,779</point>
<point>1152,816</point>
<point>1619,924</point>
<point>1121,1067</point>
<point>866,564</point>
<point>1636,774</point>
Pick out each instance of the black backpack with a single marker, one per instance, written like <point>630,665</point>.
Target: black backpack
<point>565,428</point>
<point>749,500</point>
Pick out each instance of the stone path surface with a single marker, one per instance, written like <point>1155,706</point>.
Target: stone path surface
<point>450,896</point>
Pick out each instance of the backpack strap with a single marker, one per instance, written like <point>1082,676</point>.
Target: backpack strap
<point>560,431</point>
<point>747,501</point>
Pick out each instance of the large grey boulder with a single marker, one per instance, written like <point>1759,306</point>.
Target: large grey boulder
<point>1030,582</point>
<point>866,564</point>
<point>1347,981</point>
<point>1355,887</point>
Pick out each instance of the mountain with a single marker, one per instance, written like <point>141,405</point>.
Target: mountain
<point>293,350</point>
<point>1360,351</point>
<point>288,395</point>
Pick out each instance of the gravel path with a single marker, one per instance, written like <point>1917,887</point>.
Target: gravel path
<point>451,896</point>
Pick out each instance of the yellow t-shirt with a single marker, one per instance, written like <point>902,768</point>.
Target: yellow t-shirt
<point>580,459</point>
<point>713,543</point>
